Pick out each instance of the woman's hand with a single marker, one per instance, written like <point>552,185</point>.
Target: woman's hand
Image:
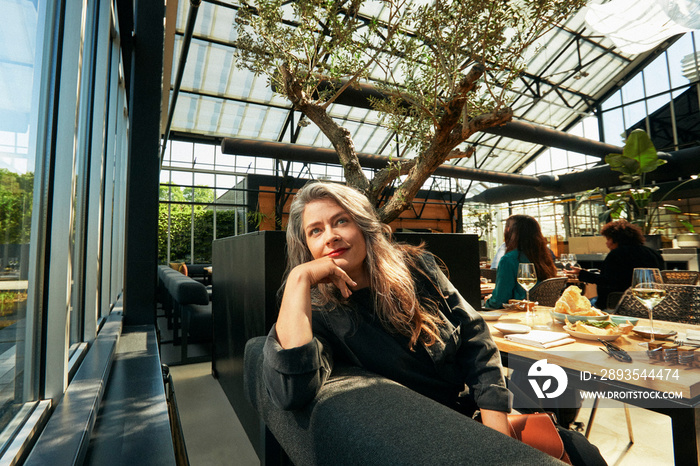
<point>497,420</point>
<point>325,270</point>
<point>294,321</point>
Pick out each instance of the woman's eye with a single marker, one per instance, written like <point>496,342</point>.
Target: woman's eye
<point>314,231</point>
<point>342,221</point>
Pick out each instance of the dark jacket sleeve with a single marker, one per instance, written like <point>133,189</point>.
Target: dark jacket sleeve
<point>294,376</point>
<point>477,353</point>
<point>615,271</point>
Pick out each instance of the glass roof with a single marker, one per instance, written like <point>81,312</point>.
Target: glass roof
<point>570,69</point>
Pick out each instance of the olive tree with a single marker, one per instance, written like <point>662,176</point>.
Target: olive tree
<point>445,69</point>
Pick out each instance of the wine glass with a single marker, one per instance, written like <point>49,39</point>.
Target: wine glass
<point>645,287</point>
<point>527,278</point>
<point>564,259</point>
<point>572,260</point>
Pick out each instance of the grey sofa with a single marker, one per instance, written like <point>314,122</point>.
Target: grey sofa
<point>360,418</point>
<point>187,307</point>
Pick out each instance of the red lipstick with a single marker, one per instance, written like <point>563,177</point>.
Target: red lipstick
<point>337,252</point>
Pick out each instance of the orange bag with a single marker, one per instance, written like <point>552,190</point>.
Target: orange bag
<point>538,431</point>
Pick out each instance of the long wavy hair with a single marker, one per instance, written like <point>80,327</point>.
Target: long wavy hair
<point>388,265</point>
<point>524,234</point>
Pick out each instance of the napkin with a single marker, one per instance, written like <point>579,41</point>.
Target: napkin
<point>541,338</point>
<point>691,334</point>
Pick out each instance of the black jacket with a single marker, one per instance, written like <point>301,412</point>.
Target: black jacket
<point>353,334</point>
<point>616,271</point>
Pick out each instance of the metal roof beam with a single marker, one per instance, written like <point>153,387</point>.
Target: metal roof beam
<point>310,154</point>
<point>530,132</point>
<point>680,163</point>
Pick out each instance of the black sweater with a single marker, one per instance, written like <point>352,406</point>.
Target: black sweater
<point>616,271</point>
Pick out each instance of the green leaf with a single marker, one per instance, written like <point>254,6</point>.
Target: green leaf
<point>639,147</point>
<point>638,156</point>
<point>688,225</point>
<point>671,208</point>
<point>585,197</point>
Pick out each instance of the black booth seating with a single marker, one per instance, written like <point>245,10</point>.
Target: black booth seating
<point>360,418</point>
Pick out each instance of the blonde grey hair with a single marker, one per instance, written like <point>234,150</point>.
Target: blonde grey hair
<point>386,264</point>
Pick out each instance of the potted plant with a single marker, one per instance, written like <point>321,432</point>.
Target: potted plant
<point>482,223</point>
<point>636,204</point>
<point>689,238</point>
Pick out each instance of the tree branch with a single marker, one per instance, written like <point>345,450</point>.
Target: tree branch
<point>339,136</point>
<point>386,175</point>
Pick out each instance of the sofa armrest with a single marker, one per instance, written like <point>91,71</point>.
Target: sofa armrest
<point>361,418</point>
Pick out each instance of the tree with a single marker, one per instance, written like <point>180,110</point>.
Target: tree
<point>445,69</point>
<point>178,220</point>
<point>15,206</point>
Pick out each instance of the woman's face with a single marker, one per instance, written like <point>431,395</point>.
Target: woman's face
<point>330,231</point>
<point>610,243</point>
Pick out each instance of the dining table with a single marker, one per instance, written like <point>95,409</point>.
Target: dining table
<point>592,370</point>
<point>487,288</point>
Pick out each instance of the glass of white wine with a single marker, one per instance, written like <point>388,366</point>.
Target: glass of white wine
<point>527,278</point>
<point>564,259</point>
<point>646,288</point>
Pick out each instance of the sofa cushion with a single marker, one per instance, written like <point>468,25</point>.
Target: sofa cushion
<point>184,290</point>
<point>200,323</point>
<point>365,419</point>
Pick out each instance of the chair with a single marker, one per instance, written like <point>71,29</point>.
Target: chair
<point>613,300</point>
<point>489,274</point>
<point>548,291</point>
<point>680,277</point>
<point>681,304</point>
<point>391,424</point>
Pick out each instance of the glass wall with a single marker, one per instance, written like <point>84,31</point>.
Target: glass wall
<point>201,199</point>
<point>63,129</point>
<point>20,66</point>
<point>646,102</point>
<point>637,103</point>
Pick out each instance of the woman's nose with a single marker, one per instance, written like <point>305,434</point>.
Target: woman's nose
<point>331,236</point>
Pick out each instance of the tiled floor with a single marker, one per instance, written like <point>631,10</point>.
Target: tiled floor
<point>215,437</point>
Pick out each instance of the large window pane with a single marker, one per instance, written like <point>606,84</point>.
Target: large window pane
<point>21,29</point>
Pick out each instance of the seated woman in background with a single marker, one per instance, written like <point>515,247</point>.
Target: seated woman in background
<point>627,252</point>
<point>524,243</point>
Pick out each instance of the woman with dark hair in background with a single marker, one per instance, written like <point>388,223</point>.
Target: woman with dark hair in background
<point>524,243</point>
<point>627,252</point>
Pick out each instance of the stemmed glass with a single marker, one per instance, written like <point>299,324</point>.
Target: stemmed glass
<point>645,287</point>
<point>564,259</point>
<point>572,260</point>
<point>527,277</point>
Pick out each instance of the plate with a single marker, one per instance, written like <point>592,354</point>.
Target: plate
<point>492,315</point>
<point>624,319</point>
<point>561,318</point>
<point>658,332</point>
<point>505,329</point>
<point>590,336</point>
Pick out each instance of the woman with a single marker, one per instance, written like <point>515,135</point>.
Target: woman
<point>524,243</point>
<point>627,252</point>
<point>351,294</point>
